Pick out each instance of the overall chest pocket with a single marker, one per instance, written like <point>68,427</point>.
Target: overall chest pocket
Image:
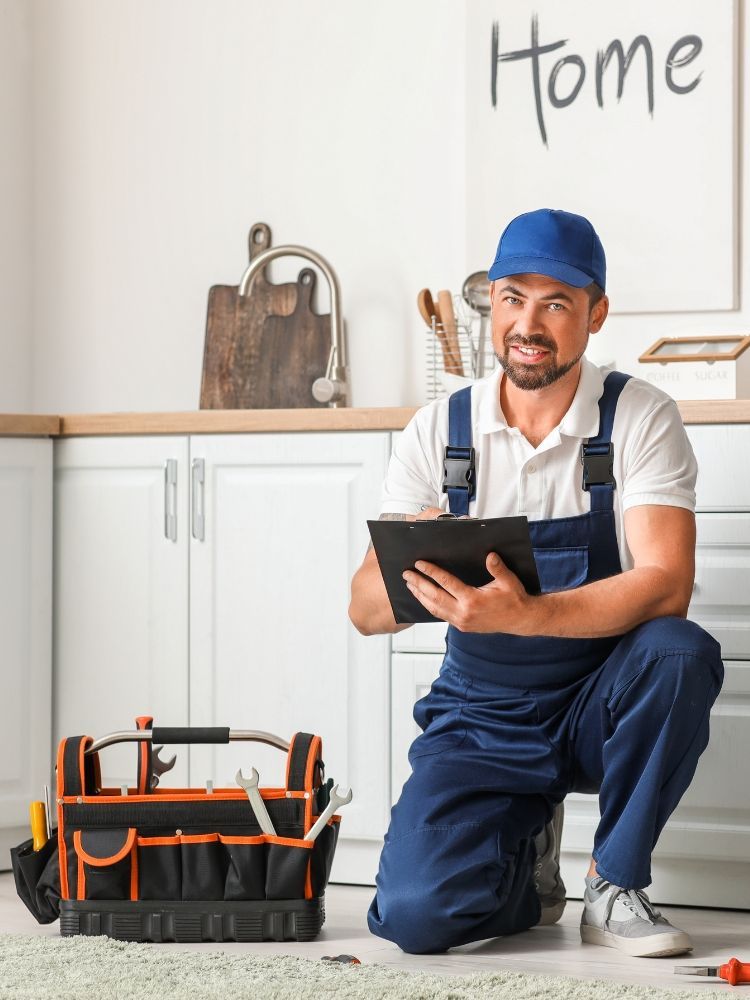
<point>562,568</point>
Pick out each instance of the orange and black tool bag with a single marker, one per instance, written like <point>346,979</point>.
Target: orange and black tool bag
<point>180,864</point>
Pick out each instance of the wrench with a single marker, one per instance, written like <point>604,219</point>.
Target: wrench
<point>159,766</point>
<point>256,801</point>
<point>338,798</point>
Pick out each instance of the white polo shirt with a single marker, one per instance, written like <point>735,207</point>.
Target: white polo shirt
<point>653,459</point>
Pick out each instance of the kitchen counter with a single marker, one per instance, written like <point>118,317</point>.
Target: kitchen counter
<point>28,425</point>
<point>727,411</point>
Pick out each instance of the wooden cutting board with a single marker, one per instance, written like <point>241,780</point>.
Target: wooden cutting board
<point>236,373</point>
<point>293,352</point>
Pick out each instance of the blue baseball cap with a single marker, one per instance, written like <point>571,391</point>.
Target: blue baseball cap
<point>548,241</point>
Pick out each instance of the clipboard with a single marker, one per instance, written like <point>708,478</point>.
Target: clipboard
<point>459,545</point>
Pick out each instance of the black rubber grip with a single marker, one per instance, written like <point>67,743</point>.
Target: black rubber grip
<point>190,734</point>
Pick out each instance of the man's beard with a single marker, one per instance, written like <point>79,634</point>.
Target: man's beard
<point>536,376</point>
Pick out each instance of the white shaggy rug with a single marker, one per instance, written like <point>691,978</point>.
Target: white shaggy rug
<point>98,968</point>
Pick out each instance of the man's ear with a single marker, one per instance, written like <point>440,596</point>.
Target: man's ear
<point>598,314</point>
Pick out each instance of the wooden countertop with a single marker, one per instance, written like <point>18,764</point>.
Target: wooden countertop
<point>729,411</point>
<point>28,425</point>
<point>238,421</point>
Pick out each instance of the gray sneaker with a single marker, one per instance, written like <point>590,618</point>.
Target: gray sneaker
<point>626,919</point>
<point>547,881</point>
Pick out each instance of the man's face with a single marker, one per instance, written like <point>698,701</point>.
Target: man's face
<point>540,327</point>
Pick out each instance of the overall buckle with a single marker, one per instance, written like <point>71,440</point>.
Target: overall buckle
<point>458,469</point>
<point>598,469</point>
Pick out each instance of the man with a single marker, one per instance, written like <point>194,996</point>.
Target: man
<point>598,684</point>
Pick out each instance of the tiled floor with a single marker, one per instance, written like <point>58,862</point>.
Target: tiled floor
<point>556,950</point>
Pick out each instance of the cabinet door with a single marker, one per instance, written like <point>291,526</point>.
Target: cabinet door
<point>411,678</point>
<point>26,630</point>
<point>723,470</point>
<point>721,597</point>
<point>121,591</point>
<point>283,520</point>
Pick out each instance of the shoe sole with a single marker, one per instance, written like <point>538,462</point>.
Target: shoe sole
<point>668,944</point>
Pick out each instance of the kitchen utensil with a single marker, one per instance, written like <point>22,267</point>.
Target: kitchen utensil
<point>426,306</point>
<point>292,353</point>
<point>430,313</point>
<point>256,800</point>
<point>448,317</point>
<point>476,294</point>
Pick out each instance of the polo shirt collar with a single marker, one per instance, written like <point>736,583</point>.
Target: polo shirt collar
<point>582,417</point>
<point>580,421</point>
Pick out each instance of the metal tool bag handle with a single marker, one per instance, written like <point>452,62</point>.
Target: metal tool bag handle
<point>188,734</point>
<point>78,757</point>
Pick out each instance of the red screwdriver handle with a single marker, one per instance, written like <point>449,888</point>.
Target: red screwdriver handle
<point>735,971</point>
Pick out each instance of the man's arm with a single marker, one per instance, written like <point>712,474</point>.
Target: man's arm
<point>662,542</point>
<point>370,610</point>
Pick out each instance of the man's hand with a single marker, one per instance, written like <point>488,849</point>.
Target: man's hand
<point>499,606</point>
<point>429,514</point>
<point>662,541</point>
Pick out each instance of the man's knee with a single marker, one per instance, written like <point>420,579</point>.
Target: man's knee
<point>411,918</point>
<point>437,892</point>
<point>679,652</point>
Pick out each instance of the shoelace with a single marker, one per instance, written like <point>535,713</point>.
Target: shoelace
<point>635,900</point>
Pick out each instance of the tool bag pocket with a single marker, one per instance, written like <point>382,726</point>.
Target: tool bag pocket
<point>204,866</point>
<point>182,867</point>
<point>107,865</point>
<point>246,867</point>
<point>37,877</point>
<point>287,865</point>
<point>159,867</point>
<point>322,858</point>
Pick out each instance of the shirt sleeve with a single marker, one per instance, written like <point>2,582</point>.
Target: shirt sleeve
<point>414,478</point>
<point>660,465</point>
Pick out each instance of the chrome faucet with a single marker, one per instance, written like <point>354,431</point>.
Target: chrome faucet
<point>333,387</point>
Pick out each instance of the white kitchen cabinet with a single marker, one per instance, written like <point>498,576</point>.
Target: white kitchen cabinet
<point>271,647</point>
<point>411,678</point>
<point>26,630</point>
<point>121,591</point>
<point>703,855</point>
<point>205,580</point>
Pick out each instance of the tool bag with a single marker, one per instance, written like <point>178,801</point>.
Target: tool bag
<point>180,864</point>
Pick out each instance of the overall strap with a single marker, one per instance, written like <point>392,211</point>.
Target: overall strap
<point>459,469</point>
<point>597,454</point>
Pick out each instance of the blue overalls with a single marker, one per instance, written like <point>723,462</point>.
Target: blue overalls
<point>512,724</point>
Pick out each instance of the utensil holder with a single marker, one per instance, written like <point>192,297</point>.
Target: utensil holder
<point>476,362</point>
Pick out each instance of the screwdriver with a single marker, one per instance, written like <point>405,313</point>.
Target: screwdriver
<point>38,817</point>
<point>733,971</point>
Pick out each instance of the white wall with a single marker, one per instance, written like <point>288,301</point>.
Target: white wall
<point>15,206</point>
<point>164,128</point>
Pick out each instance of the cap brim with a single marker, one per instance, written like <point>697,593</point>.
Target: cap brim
<point>540,265</point>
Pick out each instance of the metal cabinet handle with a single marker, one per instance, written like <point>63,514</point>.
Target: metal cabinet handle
<point>170,499</point>
<point>198,508</point>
